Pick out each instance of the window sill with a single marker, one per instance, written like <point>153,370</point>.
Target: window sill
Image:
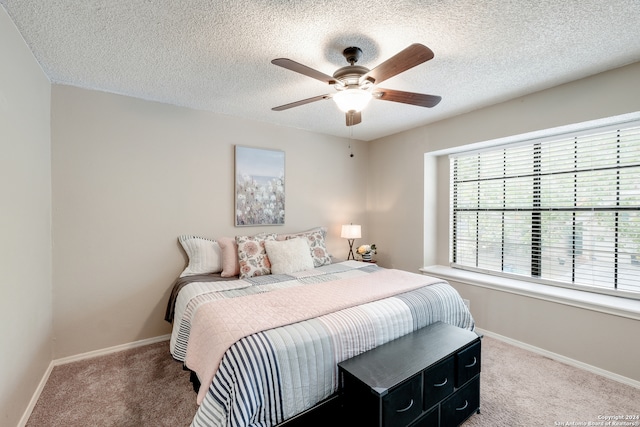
<point>613,305</point>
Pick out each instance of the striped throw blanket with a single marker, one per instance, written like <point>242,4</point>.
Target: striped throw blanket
<point>219,324</point>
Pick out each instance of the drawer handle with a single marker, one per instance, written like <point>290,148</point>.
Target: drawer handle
<point>407,408</point>
<point>472,363</point>
<point>466,403</point>
<point>440,385</point>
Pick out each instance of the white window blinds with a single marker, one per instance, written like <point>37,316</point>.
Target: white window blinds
<point>563,211</point>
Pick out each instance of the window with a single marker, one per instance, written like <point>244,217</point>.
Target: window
<point>562,211</point>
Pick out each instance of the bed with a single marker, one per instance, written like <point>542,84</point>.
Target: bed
<point>265,347</point>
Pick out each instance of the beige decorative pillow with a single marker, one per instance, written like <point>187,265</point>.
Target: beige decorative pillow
<point>204,255</point>
<point>289,256</point>
<point>285,236</point>
<point>252,255</point>
<point>230,264</point>
<point>317,246</point>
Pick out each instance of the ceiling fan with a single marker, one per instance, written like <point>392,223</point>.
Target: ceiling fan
<point>355,85</point>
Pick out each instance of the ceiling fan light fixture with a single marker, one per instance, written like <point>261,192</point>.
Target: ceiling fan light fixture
<point>352,99</point>
<point>356,85</point>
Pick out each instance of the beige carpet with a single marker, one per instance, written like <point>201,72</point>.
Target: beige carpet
<point>139,387</point>
<point>521,388</point>
<point>146,387</point>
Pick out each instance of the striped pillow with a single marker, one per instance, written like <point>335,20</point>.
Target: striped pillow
<point>204,255</point>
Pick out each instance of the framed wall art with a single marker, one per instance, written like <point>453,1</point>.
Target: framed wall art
<point>260,197</point>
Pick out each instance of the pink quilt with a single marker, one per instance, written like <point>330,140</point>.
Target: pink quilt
<point>217,325</point>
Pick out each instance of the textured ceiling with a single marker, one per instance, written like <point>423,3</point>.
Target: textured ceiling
<point>215,55</point>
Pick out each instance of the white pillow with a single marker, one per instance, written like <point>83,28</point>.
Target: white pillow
<point>289,256</point>
<point>205,255</point>
<point>315,238</point>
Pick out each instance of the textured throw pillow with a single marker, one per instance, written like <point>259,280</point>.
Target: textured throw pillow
<point>286,236</point>
<point>230,264</point>
<point>204,255</point>
<point>252,256</point>
<point>289,256</point>
<point>317,246</point>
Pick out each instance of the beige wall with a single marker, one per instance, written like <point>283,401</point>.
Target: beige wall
<point>595,338</point>
<point>130,176</point>
<point>25,224</point>
<point>399,161</point>
<point>409,215</point>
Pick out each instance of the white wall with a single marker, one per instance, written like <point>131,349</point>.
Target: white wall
<point>410,222</point>
<point>25,224</point>
<point>130,176</point>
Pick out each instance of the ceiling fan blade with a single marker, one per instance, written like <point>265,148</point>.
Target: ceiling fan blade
<point>303,69</point>
<point>354,117</point>
<point>408,58</point>
<point>301,102</point>
<point>419,99</point>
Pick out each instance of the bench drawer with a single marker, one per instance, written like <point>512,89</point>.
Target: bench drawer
<point>438,382</point>
<point>467,364</point>
<point>461,405</point>
<point>403,404</point>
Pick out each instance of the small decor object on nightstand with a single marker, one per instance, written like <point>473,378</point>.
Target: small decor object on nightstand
<point>367,252</point>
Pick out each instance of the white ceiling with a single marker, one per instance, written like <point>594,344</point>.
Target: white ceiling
<point>215,55</point>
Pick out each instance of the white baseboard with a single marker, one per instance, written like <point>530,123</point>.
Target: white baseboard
<point>78,357</point>
<point>109,350</point>
<point>560,358</point>
<point>35,397</point>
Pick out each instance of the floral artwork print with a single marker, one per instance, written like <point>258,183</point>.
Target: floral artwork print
<point>259,186</point>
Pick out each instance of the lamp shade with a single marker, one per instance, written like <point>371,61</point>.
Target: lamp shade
<point>352,99</point>
<point>350,231</point>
